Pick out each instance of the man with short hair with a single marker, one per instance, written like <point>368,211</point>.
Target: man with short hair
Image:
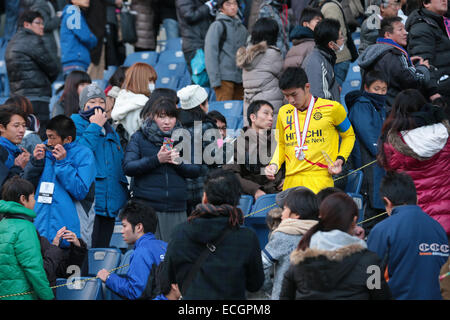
<point>370,27</point>
<point>308,130</point>
<point>251,148</point>
<point>412,245</point>
<point>429,38</point>
<point>31,68</point>
<point>390,57</point>
<point>139,223</point>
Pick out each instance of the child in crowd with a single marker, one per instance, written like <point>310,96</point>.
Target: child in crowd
<point>300,213</point>
<point>21,260</point>
<point>157,175</point>
<point>224,37</point>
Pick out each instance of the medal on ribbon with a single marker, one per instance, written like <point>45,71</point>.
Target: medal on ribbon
<point>300,148</point>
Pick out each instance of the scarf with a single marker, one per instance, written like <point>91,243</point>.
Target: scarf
<point>295,226</point>
<point>427,115</point>
<point>89,113</point>
<point>332,54</point>
<point>13,151</point>
<point>153,133</point>
<point>378,100</point>
<point>225,210</point>
<point>394,44</point>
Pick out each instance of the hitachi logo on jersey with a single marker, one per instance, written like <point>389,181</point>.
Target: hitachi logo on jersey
<point>311,134</point>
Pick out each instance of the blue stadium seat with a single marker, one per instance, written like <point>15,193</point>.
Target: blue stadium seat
<point>80,290</point>
<point>232,110</point>
<point>245,204</point>
<point>353,189</point>
<point>149,57</point>
<point>171,69</point>
<point>173,44</point>
<point>101,83</point>
<point>117,239</point>
<point>184,80</point>
<point>257,220</point>
<point>171,56</point>
<point>107,74</point>
<point>103,258</point>
<point>170,82</point>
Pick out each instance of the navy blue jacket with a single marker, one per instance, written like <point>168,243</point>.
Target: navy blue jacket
<point>367,114</point>
<point>147,252</point>
<point>163,185</point>
<point>414,246</point>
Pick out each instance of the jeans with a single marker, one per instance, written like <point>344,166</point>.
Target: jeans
<point>11,15</point>
<point>340,71</point>
<point>171,27</point>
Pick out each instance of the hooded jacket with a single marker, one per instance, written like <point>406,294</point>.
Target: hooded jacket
<point>367,114</point>
<point>276,254</point>
<point>424,154</point>
<point>319,67</point>
<point>334,267</point>
<point>413,248</point>
<point>76,38</point>
<point>72,178</point>
<point>428,38</point>
<point>228,272</point>
<point>221,62</point>
<point>261,68</point>
<point>21,265</point>
<point>303,43</point>
<point>396,67</point>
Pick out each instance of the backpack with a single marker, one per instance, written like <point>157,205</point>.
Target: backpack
<point>199,74</point>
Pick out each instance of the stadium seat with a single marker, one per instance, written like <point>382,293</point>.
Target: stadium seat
<point>353,189</point>
<point>107,74</point>
<point>171,56</point>
<point>184,80</point>
<point>101,83</point>
<point>175,68</point>
<point>173,44</point>
<point>232,110</point>
<point>149,57</point>
<point>117,239</point>
<point>103,258</point>
<point>257,219</point>
<point>245,204</point>
<point>85,289</point>
<point>170,82</point>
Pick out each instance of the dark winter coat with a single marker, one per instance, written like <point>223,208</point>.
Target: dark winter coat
<point>31,68</point>
<point>194,20</point>
<point>163,185</point>
<point>227,273</point>
<point>428,38</point>
<point>303,43</point>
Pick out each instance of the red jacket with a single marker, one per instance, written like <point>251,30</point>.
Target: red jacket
<point>424,153</point>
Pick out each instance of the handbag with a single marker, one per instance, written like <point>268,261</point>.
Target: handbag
<point>199,74</point>
<point>128,24</point>
<point>210,248</point>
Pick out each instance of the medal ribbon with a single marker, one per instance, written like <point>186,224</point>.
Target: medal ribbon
<point>301,146</point>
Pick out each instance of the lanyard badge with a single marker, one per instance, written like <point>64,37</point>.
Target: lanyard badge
<point>300,148</point>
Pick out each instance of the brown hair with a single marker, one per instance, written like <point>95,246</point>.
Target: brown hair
<point>22,103</point>
<point>336,211</point>
<point>137,78</point>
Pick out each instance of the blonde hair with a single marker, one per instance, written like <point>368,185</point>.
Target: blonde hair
<point>137,78</point>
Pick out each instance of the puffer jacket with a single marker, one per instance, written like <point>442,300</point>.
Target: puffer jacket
<point>303,43</point>
<point>194,20</point>
<point>428,38</point>
<point>424,154</point>
<point>31,68</point>
<point>21,264</point>
<point>145,26</point>
<point>261,68</point>
<point>334,268</point>
<point>221,62</point>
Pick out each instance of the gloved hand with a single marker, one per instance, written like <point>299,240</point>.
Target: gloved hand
<point>211,4</point>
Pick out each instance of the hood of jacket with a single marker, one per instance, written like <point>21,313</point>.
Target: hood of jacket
<point>248,57</point>
<point>127,102</point>
<point>13,207</point>
<point>372,53</point>
<point>300,32</point>
<point>206,229</point>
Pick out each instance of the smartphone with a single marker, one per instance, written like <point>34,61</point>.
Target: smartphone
<point>168,143</point>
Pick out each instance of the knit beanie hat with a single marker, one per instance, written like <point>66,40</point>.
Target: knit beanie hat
<point>192,96</point>
<point>90,92</point>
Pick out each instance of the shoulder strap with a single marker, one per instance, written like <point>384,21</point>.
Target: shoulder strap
<point>210,248</point>
<point>223,36</point>
<point>15,216</point>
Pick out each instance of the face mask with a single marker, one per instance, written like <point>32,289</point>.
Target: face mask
<point>151,86</point>
<point>340,48</point>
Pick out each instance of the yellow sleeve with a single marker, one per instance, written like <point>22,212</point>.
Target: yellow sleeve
<point>278,157</point>
<point>345,129</point>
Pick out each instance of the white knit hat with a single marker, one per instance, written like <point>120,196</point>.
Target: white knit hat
<point>192,96</point>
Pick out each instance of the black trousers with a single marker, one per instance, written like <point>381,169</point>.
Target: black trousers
<point>103,230</point>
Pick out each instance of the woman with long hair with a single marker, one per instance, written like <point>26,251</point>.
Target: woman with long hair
<point>414,139</point>
<point>139,82</point>
<point>330,262</point>
<point>68,103</point>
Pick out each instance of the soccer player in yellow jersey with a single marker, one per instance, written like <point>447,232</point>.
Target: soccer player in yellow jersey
<point>307,127</point>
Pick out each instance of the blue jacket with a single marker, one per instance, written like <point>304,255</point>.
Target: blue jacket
<point>76,38</point>
<point>367,114</point>
<point>163,185</point>
<point>147,251</point>
<point>413,246</point>
<point>111,190</point>
<point>73,177</point>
